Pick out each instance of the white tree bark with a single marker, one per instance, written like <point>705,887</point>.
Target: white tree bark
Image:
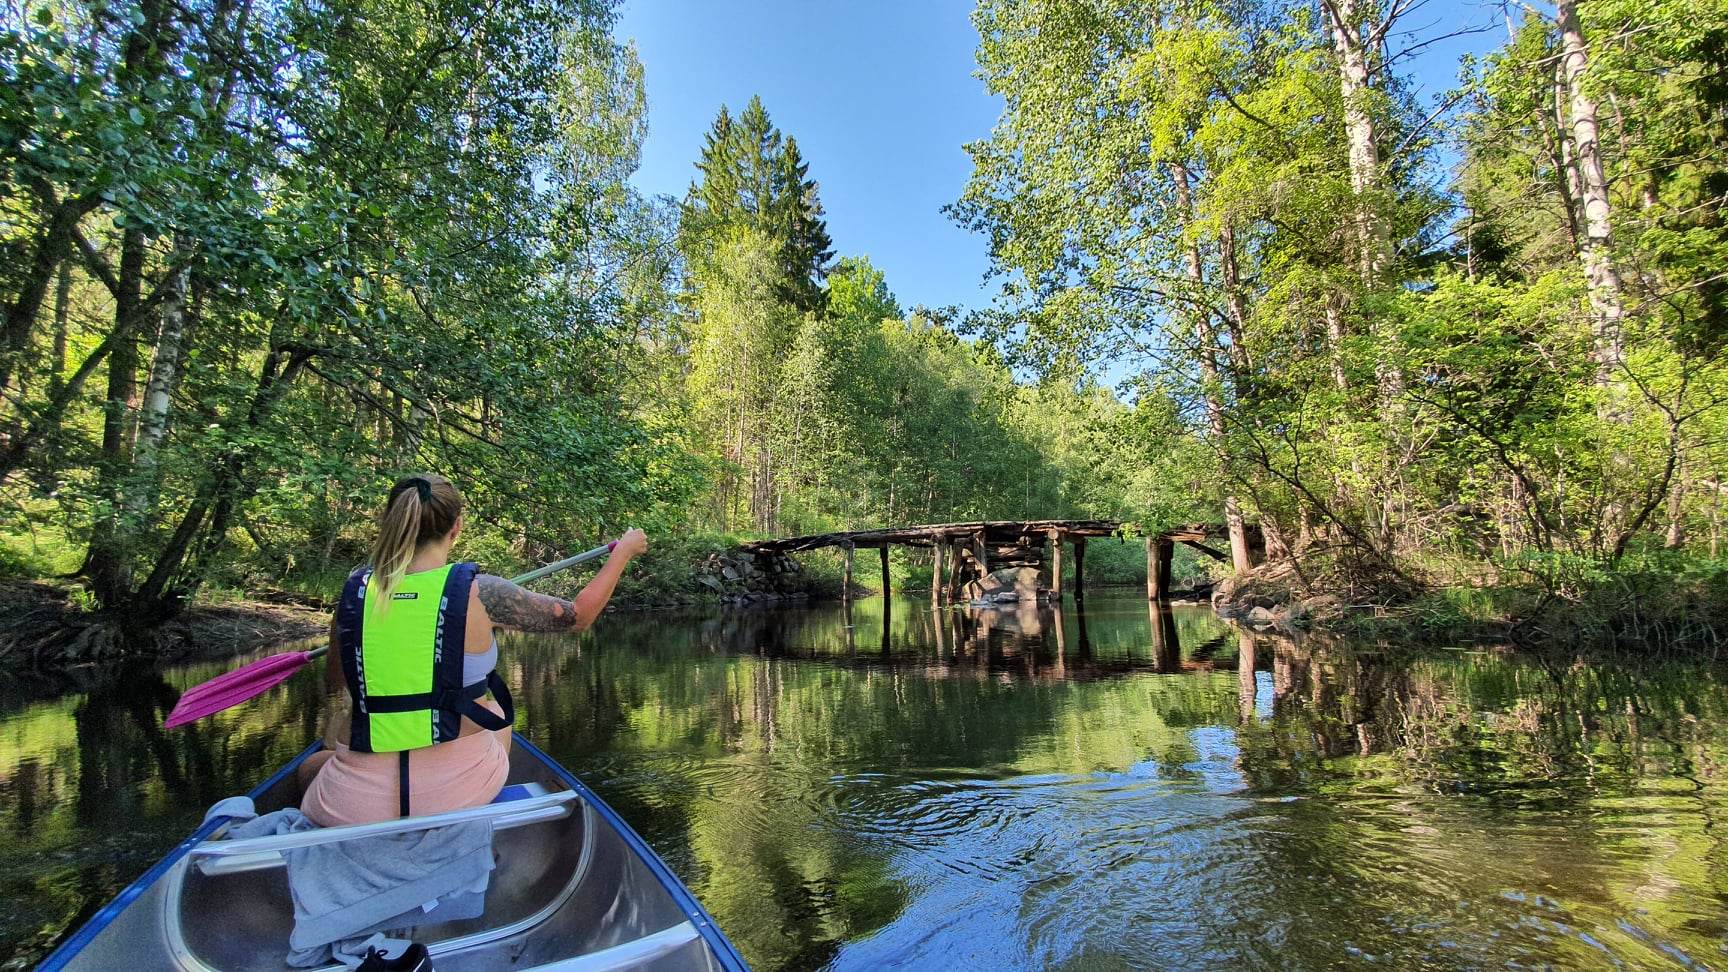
<point>164,375</point>
<point>1352,42</point>
<point>1596,250</point>
<point>1344,18</point>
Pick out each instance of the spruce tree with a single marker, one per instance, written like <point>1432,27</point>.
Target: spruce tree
<point>751,175</point>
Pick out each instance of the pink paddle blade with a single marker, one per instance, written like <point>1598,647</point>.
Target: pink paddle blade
<point>232,688</point>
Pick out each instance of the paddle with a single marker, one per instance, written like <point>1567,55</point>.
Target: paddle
<point>250,681</point>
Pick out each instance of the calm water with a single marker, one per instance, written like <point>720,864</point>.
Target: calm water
<point>1081,791</point>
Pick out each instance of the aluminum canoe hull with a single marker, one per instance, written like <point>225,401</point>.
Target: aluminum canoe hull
<point>575,890</point>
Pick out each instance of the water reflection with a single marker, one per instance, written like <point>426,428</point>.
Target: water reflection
<point>1034,786</point>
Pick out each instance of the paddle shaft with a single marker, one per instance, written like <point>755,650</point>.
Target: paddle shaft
<point>535,574</point>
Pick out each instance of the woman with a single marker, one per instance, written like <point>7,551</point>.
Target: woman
<point>412,645</point>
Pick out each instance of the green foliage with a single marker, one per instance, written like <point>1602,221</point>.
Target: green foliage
<point>389,252</point>
<point>1370,353</point>
<point>259,260</point>
<point>848,411</point>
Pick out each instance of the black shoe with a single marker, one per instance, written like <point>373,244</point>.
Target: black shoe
<point>414,958</point>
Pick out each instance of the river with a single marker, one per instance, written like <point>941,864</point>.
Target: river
<point>1097,789</point>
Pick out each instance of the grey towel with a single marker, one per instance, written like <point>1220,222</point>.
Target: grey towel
<point>343,893</point>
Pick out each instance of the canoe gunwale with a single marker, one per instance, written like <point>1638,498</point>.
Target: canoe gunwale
<point>719,945</point>
<point>635,952</point>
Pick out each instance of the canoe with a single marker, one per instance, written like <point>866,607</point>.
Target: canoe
<point>575,890</point>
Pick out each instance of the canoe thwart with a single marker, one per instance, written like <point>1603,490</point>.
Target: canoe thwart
<point>504,816</point>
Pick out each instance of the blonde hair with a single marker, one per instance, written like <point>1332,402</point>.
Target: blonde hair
<point>420,509</point>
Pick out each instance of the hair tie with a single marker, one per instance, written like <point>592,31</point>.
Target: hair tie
<point>422,487</point>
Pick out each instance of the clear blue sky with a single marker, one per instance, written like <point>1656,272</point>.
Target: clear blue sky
<point>879,94</point>
<point>881,98</point>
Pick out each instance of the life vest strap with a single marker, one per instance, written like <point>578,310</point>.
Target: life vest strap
<point>464,700</point>
<point>402,783</point>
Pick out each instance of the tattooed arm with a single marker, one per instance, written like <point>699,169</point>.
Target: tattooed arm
<point>523,610</point>
<point>513,607</point>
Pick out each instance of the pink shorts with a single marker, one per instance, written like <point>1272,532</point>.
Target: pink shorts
<point>355,788</point>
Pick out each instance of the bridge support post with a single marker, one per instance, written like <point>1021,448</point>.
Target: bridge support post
<point>950,587</point>
<point>883,550</point>
<point>981,553</point>
<point>1079,568</point>
<point>1159,551</point>
<point>937,550</point>
<point>846,584</point>
<point>1053,543</point>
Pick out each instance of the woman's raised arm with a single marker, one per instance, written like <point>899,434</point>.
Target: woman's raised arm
<point>512,606</point>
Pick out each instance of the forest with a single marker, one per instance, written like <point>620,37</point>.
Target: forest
<point>257,257</point>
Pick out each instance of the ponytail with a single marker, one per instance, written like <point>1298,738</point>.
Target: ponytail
<point>420,509</point>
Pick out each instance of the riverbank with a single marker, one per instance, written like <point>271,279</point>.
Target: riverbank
<point>1660,598</point>
<point>49,628</point>
<point>46,628</point>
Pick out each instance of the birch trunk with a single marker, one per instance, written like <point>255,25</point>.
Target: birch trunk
<point>1344,18</point>
<point>1335,338</point>
<point>1596,254</point>
<point>1236,320</point>
<point>1353,46</point>
<point>164,375</point>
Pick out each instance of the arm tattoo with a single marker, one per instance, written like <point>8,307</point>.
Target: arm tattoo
<point>512,607</point>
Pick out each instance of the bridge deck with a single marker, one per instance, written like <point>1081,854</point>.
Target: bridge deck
<point>930,534</point>
<point>973,547</point>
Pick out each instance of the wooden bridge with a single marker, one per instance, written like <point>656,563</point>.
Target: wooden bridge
<point>969,551</point>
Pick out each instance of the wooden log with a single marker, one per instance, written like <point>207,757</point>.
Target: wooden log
<point>883,550</point>
<point>981,554</point>
<point>1212,552</point>
<point>1054,538</point>
<point>1079,568</point>
<point>936,566</point>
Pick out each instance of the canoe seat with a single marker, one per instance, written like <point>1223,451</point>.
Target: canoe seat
<point>519,791</point>
<point>517,805</point>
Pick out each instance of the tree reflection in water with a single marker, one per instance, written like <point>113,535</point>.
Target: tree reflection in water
<point>1028,786</point>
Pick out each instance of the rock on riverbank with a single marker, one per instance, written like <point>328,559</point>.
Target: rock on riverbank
<point>738,577</point>
<point>1273,596</point>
